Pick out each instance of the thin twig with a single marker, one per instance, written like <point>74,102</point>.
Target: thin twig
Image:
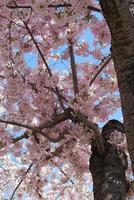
<point>62,171</point>
<point>92,8</point>
<point>36,44</point>
<point>23,136</point>
<point>1,76</point>
<point>60,99</point>
<point>60,149</point>
<point>54,91</point>
<point>18,7</point>
<point>66,176</point>
<point>21,181</point>
<point>4,169</point>
<point>59,194</point>
<point>59,5</point>
<point>108,59</point>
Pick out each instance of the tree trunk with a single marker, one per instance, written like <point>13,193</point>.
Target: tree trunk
<point>121,23</point>
<point>108,173</point>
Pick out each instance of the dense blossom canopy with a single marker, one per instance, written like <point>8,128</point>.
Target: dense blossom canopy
<point>44,147</point>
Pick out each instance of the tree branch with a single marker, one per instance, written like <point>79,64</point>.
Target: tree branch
<point>55,91</point>
<point>59,138</point>
<point>18,6</point>
<point>36,44</point>
<point>73,67</point>
<point>24,136</point>
<point>59,149</point>
<point>51,139</point>
<point>62,171</point>
<point>49,124</point>
<point>60,98</point>
<point>1,76</point>
<point>56,119</point>
<point>21,181</point>
<point>92,8</point>
<point>60,5</point>
<point>17,124</point>
<point>99,140</point>
<point>75,117</point>
<point>107,60</point>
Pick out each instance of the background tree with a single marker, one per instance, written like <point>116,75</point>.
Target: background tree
<point>49,114</point>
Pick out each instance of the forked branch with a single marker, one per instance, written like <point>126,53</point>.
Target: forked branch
<point>68,114</point>
<point>99,140</point>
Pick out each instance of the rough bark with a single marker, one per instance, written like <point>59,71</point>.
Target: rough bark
<point>108,173</point>
<point>119,16</point>
<point>108,170</point>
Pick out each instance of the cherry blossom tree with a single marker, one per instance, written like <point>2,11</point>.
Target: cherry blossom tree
<point>119,15</point>
<point>50,116</point>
